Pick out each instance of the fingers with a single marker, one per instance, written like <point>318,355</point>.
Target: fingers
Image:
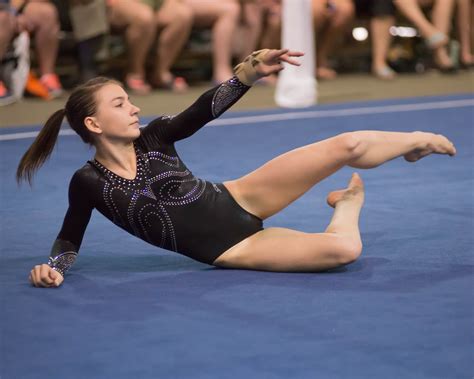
<point>283,55</point>
<point>45,276</point>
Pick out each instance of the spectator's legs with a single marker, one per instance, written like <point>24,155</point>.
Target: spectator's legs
<point>464,13</point>
<point>381,38</point>
<point>271,36</point>
<point>43,17</point>
<point>249,31</point>
<point>138,19</point>
<point>7,29</point>
<point>175,21</point>
<point>223,16</point>
<point>442,15</point>
<point>411,10</point>
<point>336,24</point>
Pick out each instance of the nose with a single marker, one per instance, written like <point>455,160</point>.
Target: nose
<point>135,109</point>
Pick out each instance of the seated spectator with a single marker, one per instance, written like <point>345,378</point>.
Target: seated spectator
<point>436,32</point>
<point>260,27</point>
<point>331,19</point>
<point>40,19</point>
<point>465,15</point>
<point>7,31</point>
<point>382,17</point>
<point>223,17</point>
<point>142,19</point>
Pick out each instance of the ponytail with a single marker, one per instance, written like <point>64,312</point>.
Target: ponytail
<point>41,148</point>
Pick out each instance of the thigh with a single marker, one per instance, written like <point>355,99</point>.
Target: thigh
<point>279,182</point>
<point>125,12</point>
<point>286,250</point>
<point>172,10</point>
<point>40,13</point>
<point>206,12</point>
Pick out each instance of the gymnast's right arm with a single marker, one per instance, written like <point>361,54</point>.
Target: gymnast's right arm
<point>66,246</point>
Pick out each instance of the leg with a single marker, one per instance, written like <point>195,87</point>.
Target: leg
<point>277,249</point>
<point>248,33</point>
<point>174,19</point>
<point>381,38</point>
<point>223,16</point>
<point>441,15</point>
<point>411,10</point>
<point>138,20</point>
<point>7,30</point>
<point>45,22</point>
<point>337,24</point>
<point>282,180</point>
<point>464,31</point>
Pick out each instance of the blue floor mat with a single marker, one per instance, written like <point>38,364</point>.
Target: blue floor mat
<point>130,310</point>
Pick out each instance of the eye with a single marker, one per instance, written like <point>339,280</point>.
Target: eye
<point>119,105</point>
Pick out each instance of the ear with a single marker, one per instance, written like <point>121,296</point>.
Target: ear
<point>92,125</point>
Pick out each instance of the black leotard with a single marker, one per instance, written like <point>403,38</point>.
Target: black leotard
<point>165,205</point>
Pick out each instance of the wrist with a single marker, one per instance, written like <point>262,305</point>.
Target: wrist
<point>246,71</point>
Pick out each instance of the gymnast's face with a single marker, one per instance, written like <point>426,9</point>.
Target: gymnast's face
<point>116,117</point>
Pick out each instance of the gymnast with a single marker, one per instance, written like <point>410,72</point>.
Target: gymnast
<point>137,180</point>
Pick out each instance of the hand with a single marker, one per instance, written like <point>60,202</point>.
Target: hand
<point>45,276</point>
<point>271,62</point>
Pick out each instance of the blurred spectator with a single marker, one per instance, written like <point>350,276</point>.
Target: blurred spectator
<point>382,17</point>
<point>331,19</point>
<point>259,28</point>
<point>39,18</point>
<point>223,17</point>
<point>89,25</point>
<point>436,32</point>
<point>142,19</point>
<point>465,15</point>
<point>7,31</point>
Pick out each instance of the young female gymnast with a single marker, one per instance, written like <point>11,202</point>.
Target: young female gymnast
<point>138,181</point>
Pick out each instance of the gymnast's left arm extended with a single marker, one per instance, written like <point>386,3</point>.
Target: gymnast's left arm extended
<point>217,100</point>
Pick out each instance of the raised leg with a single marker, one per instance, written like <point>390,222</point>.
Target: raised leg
<point>278,249</point>
<point>282,180</point>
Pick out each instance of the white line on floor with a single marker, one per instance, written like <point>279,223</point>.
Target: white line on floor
<point>301,115</point>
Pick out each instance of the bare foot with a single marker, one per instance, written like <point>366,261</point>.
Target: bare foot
<point>354,192</point>
<point>431,144</point>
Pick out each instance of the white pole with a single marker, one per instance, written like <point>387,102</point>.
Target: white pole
<point>296,86</point>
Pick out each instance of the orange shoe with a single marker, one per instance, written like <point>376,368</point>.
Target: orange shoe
<point>52,84</point>
<point>137,85</point>
<point>36,88</point>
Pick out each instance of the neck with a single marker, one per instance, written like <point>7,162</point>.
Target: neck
<point>117,157</point>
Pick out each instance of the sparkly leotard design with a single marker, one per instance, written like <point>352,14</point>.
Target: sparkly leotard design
<point>165,204</point>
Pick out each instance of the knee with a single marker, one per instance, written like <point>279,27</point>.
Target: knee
<point>144,20</point>
<point>230,10</point>
<point>184,16</point>
<point>352,145</point>
<point>345,13</point>
<point>349,252</point>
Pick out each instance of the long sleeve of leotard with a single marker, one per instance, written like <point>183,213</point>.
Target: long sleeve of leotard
<point>66,247</point>
<point>207,107</point>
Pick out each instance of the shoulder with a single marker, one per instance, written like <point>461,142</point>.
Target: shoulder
<point>84,177</point>
<point>154,132</point>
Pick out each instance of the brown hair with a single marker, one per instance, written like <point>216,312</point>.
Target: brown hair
<point>82,103</point>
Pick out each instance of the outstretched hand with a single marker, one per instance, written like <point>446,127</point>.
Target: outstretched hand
<point>271,62</point>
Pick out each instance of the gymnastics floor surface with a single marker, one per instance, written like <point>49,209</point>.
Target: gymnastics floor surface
<point>130,310</point>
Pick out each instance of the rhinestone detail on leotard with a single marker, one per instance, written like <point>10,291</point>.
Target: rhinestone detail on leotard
<point>138,219</point>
